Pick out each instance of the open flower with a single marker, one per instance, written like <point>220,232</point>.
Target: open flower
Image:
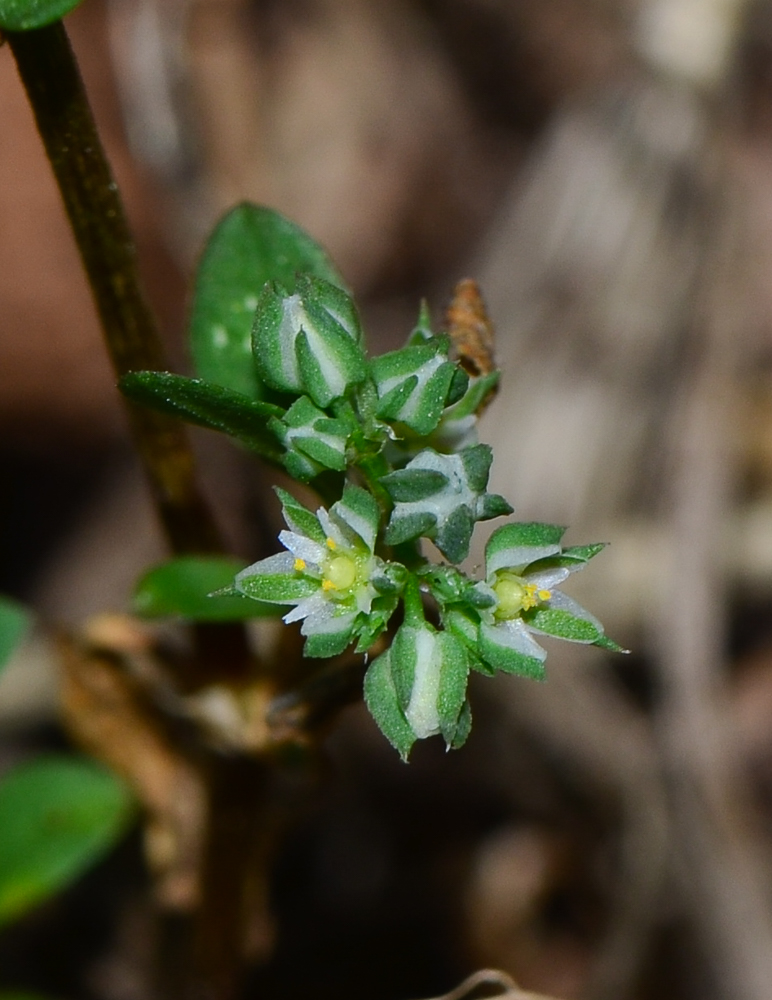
<point>524,566</point>
<point>339,588</point>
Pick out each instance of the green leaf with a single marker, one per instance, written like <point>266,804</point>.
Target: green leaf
<point>58,815</point>
<point>207,405</point>
<point>26,15</point>
<point>381,700</point>
<point>250,246</point>
<point>181,588</point>
<point>14,623</point>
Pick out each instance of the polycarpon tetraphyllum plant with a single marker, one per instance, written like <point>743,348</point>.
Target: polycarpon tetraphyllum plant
<point>390,446</point>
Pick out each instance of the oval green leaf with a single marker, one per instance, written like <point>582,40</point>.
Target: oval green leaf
<point>180,588</point>
<point>14,624</point>
<point>250,246</point>
<point>25,15</point>
<point>58,815</point>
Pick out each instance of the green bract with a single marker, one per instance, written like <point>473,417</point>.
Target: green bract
<point>390,444</point>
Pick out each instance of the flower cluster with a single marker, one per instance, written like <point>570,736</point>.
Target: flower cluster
<point>346,570</point>
<point>391,443</point>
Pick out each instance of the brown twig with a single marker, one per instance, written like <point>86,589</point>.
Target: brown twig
<point>51,78</point>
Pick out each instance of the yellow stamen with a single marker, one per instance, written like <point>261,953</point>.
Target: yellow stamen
<point>300,565</point>
<point>328,585</point>
<point>545,595</point>
<point>331,544</point>
<point>529,598</point>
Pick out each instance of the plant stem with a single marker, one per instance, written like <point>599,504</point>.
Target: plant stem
<point>52,80</point>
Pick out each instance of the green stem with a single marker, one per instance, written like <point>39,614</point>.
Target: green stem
<point>411,598</point>
<point>52,80</point>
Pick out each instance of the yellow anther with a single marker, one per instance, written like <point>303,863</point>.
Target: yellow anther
<point>529,596</point>
<point>544,595</point>
<point>300,565</point>
<point>328,585</point>
<point>331,544</point>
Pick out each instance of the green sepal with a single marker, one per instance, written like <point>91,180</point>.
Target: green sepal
<point>183,588</point>
<point>509,661</point>
<point>382,703</point>
<point>517,545</point>
<point>404,529</point>
<point>15,622</point>
<point>422,331</point>
<point>207,405</point>
<point>409,485</point>
<point>458,386</point>
<point>28,15</point>
<point>325,644</point>
<point>493,505</point>
<point>250,246</point>
<point>381,610</point>
<point>466,627</point>
<point>454,534</point>
<point>413,384</point>
<point>554,621</point>
<point>58,815</point>
<point>300,518</point>
<point>580,553</point>
<point>604,642</point>
<point>357,514</point>
<point>463,727</point>
<point>278,587</point>
<point>476,394</point>
<point>453,680</point>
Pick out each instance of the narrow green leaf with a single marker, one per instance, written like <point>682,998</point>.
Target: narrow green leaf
<point>14,623</point>
<point>250,246</point>
<point>180,588</point>
<point>26,15</point>
<point>58,815</point>
<point>207,405</point>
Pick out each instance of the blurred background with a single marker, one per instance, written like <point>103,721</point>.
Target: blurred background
<point>603,169</point>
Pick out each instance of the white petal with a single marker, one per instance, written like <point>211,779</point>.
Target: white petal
<point>514,635</point>
<point>302,547</point>
<point>331,624</point>
<point>305,607</point>
<point>331,529</point>
<point>560,602</point>
<point>546,579</point>
<point>282,562</point>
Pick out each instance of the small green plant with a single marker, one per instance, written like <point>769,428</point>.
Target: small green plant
<point>389,446</point>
